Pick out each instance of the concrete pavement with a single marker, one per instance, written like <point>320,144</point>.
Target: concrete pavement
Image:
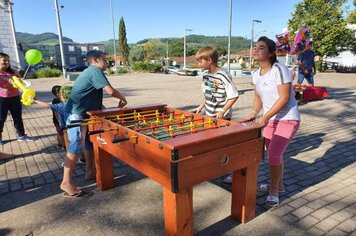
<point>320,174</point>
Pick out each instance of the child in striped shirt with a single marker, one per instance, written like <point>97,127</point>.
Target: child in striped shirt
<point>219,90</point>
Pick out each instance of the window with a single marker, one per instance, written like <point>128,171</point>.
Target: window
<point>95,47</point>
<point>71,48</point>
<point>84,50</point>
<point>72,60</point>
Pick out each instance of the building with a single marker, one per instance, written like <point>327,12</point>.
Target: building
<point>75,53</point>
<point>8,43</point>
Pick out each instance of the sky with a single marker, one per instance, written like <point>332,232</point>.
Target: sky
<point>88,21</point>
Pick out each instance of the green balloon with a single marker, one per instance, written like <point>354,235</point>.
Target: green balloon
<point>33,56</point>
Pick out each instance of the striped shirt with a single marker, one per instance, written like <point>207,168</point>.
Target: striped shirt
<point>267,88</point>
<point>218,88</point>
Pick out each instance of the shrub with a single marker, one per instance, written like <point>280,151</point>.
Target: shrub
<point>46,73</point>
<point>150,67</point>
<point>121,70</point>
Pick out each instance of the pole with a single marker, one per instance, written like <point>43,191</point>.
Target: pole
<point>253,24</point>
<point>185,46</point>
<point>60,39</point>
<point>250,66</point>
<point>184,55</point>
<point>229,40</point>
<point>113,31</point>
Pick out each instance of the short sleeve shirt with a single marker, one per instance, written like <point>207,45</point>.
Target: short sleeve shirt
<point>307,59</point>
<point>62,115</point>
<point>266,87</point>
<point>87,92</point>
<point>218,88</point>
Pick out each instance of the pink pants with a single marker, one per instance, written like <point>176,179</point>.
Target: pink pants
<point>278,134</point>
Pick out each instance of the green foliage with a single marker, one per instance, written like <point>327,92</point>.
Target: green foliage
<point>352,16</point>
<point>46,73</point>
<point>137,53</point>
<point>123,46</point>
<point>150,67</point>
<point>324,19</point>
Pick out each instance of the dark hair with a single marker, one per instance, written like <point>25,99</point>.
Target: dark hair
<point>9,68</point>
<point>94,54</point>
<point>271,45</point>
<point>56,89</point>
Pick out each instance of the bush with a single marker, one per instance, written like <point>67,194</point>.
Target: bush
<point>46,73</point>
<point>121,70</point>
<point>150,67</point>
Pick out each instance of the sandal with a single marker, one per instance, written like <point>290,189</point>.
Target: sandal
<point>228,179</point>
<point>272,201</point>
<point>265,187</point>
<point>78,194</point>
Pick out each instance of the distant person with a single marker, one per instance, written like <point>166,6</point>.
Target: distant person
<point>220,92</point>
<point>306,64</point>
<point>274,95</point>
<point>10,100</point>
<point>87,95</point>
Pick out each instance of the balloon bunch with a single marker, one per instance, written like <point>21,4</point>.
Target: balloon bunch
<point>301,40</point>
<point>32,57</point>
<point>282,44</point>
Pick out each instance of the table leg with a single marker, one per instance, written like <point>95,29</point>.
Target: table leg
<point>178,212</point>
<point>243,204</point>
<point>104,169</point>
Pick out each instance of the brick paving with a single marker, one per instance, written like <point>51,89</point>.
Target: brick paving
<point>320,167</point>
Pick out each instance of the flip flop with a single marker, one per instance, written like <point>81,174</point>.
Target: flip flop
<point>272,201</point>
<point>78,194</point>
<point>265,187</point>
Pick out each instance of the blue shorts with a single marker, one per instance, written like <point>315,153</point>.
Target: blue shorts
<point>309,77</point>
<point>78,136</point>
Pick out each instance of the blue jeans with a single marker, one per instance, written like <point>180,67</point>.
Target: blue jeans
<point>78,136</point>
<point>309,77</point>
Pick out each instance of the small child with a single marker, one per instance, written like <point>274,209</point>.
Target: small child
<point>55,116</point>
<point>59,109</point>
<point>219,90</point>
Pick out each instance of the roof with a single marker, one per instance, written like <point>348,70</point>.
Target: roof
<point>190,59</point>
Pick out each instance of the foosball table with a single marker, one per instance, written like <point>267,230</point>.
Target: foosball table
<point>178,149</point>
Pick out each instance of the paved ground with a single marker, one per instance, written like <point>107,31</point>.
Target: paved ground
<point>320,171</point>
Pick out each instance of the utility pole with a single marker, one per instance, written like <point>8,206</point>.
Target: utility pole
<point>253,24</point>
<point>229,40</point>
<point>64,66</point>
<point>185,50</point>
<point>113,31</point>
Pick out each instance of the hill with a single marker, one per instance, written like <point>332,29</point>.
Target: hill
<point>44,42</point>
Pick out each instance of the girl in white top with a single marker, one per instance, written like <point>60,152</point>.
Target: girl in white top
<point>274,95</point>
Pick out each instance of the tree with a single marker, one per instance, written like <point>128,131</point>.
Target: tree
<point>123,46</point>
<point>137,53</point>
<point>352,16</point>
<point>325,21</point>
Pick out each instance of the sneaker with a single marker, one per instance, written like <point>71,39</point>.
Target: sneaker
<point>82,161</point>
<point>25,138</point>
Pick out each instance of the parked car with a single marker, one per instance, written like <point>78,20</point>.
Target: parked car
<point>76,68</point>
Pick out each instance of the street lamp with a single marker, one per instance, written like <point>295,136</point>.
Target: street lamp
<point>185,42</point>
<point>60,39</point>
<point>113,31</point>
<point>253,24</point>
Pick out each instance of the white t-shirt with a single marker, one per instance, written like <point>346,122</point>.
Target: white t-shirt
<point>266,88</point>
<point>218,88</point>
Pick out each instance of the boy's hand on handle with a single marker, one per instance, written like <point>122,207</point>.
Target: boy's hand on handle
<point>220,115</point>
<point>262,121</point>
<point>122,102</point>
<point>250,117</point>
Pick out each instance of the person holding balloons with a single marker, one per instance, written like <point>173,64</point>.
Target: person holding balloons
<point>10,99</point>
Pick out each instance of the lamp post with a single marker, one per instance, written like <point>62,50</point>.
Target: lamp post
<point>185,50</point>
<point>113,31</point>
<point>253,24</point>
<point>229,39</point>
<point>64,69</point>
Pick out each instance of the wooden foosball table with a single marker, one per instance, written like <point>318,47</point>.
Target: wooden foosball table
<point>178,149</point>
